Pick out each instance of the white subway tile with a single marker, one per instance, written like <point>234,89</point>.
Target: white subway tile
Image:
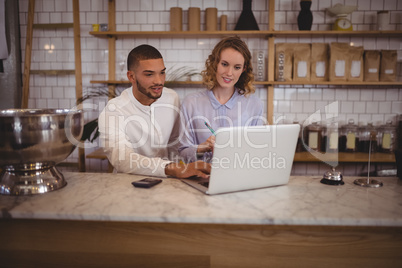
<point>296,106</point>
<point>309,107</point>
<point>153,17</point>
<point>283,106</point>
<point>359,107</point>
<point>96,5</point>
<point>396,107</point>
<point>145,5</point>
<point>346,107</point>
<point>372,107</point>
<point>377,5</point>
<point>140,17</point>
<point>91,18</point>
<point>392,94</point>
<point>303,94</point>
<point>122,5</point>
<point>364,5</point>
<point>353,94</point>
<point>384,107</point>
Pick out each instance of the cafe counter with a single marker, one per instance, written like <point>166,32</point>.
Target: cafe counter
<point>100,219</point>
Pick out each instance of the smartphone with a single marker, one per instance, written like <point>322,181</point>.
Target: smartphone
<point>146,183</point>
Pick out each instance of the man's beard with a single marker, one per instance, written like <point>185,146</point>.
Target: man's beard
<point>144,91</point>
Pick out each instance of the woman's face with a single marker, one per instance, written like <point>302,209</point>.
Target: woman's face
<point>230,67</point>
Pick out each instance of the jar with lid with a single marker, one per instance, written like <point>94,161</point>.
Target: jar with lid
<point>367,134</point>
<point>331,138</point>
<point>386,137</point>
<point>349,137</point>
<point>313,136</point>
<point>299,145</point>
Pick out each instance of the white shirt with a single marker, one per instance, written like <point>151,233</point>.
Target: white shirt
<point>140,139</point>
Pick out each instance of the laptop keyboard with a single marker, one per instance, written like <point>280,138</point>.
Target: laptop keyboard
<point>205,183</point>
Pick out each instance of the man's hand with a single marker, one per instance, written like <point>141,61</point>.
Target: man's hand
<point>207,146</point>
<point>181,170</point>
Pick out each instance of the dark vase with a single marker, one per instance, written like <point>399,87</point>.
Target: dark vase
<point>305,18</point>
<point>247,20</point>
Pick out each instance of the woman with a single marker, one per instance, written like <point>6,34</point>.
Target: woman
<point>227,102</point>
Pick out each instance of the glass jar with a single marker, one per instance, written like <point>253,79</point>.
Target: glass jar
<point>368,133</point>
<point>386,137</point>
<point>349,137</point>
<point>331,138</point>
<point>313,136</point>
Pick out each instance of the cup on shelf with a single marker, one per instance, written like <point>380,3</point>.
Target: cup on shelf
<point>383,20</point>
<point>103,27</point>
<point>95,27</point>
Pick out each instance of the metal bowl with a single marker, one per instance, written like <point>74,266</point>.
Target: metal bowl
<point>32,142</point>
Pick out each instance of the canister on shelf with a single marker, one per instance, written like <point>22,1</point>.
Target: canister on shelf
<point>194,21</point>
<point>176,18</point>
<point>211,19</point>
<point>349,137</point>
<point>368,133</point>
<point>224,22</point>
<point>386,137</point>
<point>313,136</point>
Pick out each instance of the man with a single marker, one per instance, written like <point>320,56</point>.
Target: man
<point>139,129</point>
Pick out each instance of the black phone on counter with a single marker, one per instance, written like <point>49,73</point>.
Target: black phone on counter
<point>146,183</point>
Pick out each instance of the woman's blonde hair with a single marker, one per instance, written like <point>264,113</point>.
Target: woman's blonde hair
<point>246,80</point>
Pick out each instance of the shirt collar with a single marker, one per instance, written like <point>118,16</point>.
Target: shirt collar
<point>229,104</point>
<point>139,105</point>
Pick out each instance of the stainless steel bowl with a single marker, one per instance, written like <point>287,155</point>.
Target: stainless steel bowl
<point>32,142</point>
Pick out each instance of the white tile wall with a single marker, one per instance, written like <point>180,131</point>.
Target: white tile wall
<point>362,103</point>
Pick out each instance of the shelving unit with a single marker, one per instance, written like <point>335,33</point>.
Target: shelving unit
<point>77,60</point>
<point>349,157</point>
<point>270,35</point>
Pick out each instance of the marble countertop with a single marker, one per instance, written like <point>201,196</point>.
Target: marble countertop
<point>304,201</point>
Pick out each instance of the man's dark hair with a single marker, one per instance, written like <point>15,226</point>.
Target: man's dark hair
<point>142,52</point>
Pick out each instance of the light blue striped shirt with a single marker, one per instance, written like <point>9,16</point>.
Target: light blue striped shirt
<point>203,106</point>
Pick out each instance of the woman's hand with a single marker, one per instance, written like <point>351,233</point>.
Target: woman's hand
<point>207,146</point>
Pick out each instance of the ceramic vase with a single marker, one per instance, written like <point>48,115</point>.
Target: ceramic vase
<point>247,20</point>
<point>305,17</point>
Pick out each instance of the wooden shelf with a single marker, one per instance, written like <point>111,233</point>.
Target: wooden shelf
<point>398,83</point>
<point>347,157</point>
<point>53,72</point>
<point>125,82</point>
<point>180,34</point>
<point>343,33</point>
<point>339,83</point>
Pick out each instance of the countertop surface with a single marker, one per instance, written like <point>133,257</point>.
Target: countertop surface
<point>304,201</point>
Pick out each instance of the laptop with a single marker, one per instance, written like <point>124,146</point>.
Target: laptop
<point>246,158</point>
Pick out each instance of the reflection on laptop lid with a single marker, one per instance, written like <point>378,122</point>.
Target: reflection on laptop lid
<point>247,158</point>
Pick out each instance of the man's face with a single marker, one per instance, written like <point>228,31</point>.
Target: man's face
<point>148,79</point>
